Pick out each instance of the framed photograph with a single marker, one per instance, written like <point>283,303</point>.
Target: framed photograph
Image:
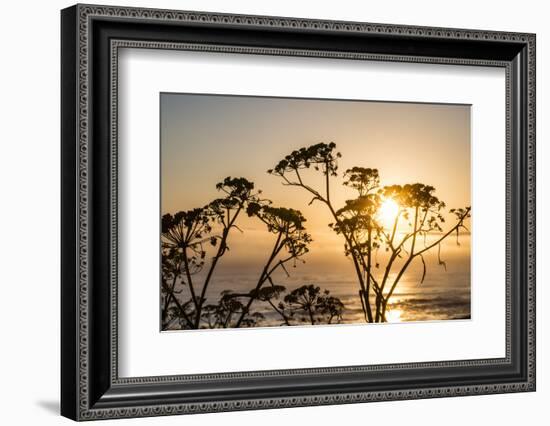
<point>263,212</point>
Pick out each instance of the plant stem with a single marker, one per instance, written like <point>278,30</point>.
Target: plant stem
<point>219,254</point>
<point>263,278</point>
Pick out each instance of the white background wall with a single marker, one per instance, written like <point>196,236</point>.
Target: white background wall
<point>29,211</point>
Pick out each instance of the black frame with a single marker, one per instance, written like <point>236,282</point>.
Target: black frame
<point>90,387</point>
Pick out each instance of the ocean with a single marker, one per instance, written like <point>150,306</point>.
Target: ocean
<point>445,293</point>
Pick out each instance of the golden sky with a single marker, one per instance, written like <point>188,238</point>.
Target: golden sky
<point>205,138</point>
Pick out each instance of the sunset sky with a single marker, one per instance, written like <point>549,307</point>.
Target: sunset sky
<point>205,138</point>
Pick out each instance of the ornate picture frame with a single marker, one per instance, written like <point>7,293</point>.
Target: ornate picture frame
<point>91,37</point>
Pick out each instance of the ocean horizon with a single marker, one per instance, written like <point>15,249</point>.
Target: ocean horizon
<point>445,293</point>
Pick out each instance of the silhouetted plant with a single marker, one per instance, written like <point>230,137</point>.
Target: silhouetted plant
<point>229,308</point>
<point>271,294</point>
<point>357,220</point>
<point>307,303</point>
<point>291,243</point>
<point>422,210</point>
<point>186,235</point>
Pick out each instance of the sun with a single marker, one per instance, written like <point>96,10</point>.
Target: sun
<point>388,211</point>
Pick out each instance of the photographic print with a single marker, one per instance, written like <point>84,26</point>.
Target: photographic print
<point>304,212</point>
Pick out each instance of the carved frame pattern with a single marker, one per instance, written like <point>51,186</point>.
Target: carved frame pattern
<point>85,409</point>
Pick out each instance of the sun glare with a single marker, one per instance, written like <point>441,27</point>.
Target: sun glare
<point>393,315</point>
<point>388,211</point>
